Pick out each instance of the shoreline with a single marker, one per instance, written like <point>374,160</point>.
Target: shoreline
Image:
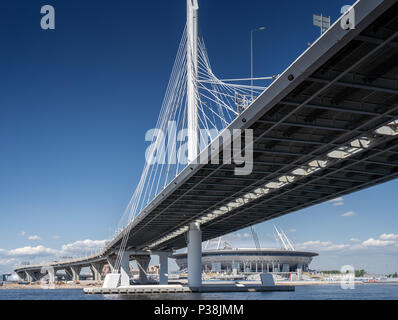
<point>12,286</point>
<point>81,286</point>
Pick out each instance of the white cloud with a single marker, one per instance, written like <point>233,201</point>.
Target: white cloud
<point>22,233</point>
<point>83,246</point>
<point>390,236</point>
<point>56,237</point>
<point>78,247</point>
<point>7,262</point>
<point>32,251</point>
<point>337,202</point>
<point>7,265</point>
<point>9,259</point>
<point>234,237</point>
<point>321,246</point>
<point>377,243</point>
<point>292,230</point>
<point>384,240</point>
<point>349,214</point>
<point>34,238</point>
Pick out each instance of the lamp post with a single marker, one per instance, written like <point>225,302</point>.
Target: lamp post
<point>251,53</point>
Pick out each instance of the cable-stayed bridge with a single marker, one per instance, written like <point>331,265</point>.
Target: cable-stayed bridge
<point>325,127</point>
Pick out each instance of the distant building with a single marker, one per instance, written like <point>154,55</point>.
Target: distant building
<point>5,277</point>
<point>251,260</point>
<point>229,260</point>
<point>153,269</point>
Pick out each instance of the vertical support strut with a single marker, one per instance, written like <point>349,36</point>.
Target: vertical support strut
<point>68,274</point>
<point>96,269</point>
<point>76,273</point>
<point>164,268</point>
<point>30,276</point>
<point>112,264</point>
<point>52,273</point>
<point>192,76</point>
<point>125,269</point>
<point>194,256</point>
<point>143,264</point>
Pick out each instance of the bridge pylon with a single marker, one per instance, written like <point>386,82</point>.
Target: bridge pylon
<point>192,79</point>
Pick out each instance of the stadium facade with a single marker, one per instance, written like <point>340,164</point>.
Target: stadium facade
<point>251,260</point>
<point>231,260</point>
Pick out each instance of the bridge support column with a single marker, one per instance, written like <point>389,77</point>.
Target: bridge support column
<point>96,269</point>
<point>75,273</point>
<point>143,264</point>
<point>33,276</point>
<point>125,270</point>
<point>112,263</point>
<point>164,269</point>
<point>30,277</point>
<point>68,274</point>
<point>51,274</point>
<point>194,256</point>
<point>21,275</point>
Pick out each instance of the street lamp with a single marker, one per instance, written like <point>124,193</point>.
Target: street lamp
<point>251,46</point>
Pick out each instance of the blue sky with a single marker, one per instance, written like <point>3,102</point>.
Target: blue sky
<point>76,102</point>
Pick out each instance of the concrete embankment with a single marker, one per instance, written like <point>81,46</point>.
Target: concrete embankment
<point>38,286</point>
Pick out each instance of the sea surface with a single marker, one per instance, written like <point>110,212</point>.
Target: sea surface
<point>318,292</point>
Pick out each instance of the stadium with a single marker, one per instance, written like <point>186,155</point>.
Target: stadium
<point>234,260</point>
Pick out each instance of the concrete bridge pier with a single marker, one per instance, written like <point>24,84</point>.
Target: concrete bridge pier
<point>75,273</point>
<point>68,274</point>
<point>164,268</point>
<point>52,275</point>
<point>30,276</point>
<point>125,269</point>
<point>33,276</point>
<point>143,264</point>
<point>21,275</point>
<point>194,256</point>
<point>112,263</point>
<point>96,269</point>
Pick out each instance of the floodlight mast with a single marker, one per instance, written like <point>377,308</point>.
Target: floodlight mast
<point>255,239</point>
<point>282,240</point>
<point>192,79</point>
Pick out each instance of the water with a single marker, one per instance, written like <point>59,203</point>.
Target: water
<point>330,292</point>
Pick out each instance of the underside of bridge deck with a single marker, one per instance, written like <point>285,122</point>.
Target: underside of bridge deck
<point>350,98</point>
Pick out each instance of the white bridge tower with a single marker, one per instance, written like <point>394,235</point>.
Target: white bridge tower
<point>192,79</point>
